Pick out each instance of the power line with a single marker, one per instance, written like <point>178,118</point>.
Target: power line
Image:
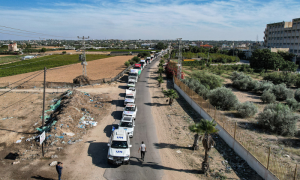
<point>32,32</point>
<point>21,84</point>
<point>22,79</point>
<point>17,35</point>
<point>83,57</point>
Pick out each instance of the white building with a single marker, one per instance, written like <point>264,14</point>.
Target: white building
<point>132,46</point>
<point>13,47</point>
<point>283,35</point>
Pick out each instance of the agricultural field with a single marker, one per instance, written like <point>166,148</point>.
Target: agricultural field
<point>121,50</point>
<point>99,67</point>
<point>284,146</point>
<point>9,58</point>
<point>37,64</point>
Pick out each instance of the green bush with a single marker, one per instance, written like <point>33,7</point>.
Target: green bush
<point>268,97</point>
<point>247,109</point>
<point>242,81</point>
<point>222,98</point>
<point>210,81</point>
<point>127,63</point>
<point>297,95</point>
<point>278,118</point>
<point>202,91</point>
<point>136,59</point>
<point>293,104</point>
<point>263,86</point>
<point>281,77</point>
<point>281,92</point>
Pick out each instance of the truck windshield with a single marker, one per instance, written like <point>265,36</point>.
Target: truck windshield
<point>119,144</point>
<point>129,97</point>
<point>132,74</point>
<point>131,83</point>
<point>126,124</point>
<point>130,109</point>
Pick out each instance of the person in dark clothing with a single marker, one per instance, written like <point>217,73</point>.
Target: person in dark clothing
<point>59,167</point>
<point>143,150</point>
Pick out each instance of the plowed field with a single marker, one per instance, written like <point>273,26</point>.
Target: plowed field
<point>97,69</point>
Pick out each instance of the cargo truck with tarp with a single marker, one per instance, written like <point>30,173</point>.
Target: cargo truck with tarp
<point>133,74</point>
<point>139,68</point>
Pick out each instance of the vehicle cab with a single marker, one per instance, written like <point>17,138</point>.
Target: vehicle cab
<point>130,110</point>
<point>127,124</point>
<point>119,147</point>
<point>143,63</point>
<point>131,83</point>
<point>129,96</point>
<point>139,68</point>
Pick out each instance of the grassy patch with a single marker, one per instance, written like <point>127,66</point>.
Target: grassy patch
<point>121,50</point>
<point>7,59</point>
<point>293,150</point>
<point>37,64</point>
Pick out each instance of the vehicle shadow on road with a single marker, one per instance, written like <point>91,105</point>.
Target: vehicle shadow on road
<point>169,146</point>
<point>122,87</point>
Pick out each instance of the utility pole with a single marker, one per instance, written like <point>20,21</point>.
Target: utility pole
<point>43,114</point>
<point>179,64</point>
<point>82,58</point>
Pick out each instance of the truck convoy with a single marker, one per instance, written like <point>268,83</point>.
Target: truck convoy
<point>133,74</point>
<point>119,147</point>
<point>119,143</point>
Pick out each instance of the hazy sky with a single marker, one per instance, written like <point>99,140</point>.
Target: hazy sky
<point>148,19</point>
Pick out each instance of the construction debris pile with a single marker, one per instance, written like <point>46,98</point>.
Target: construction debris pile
<point>81,80</point>
<point>66,121</point>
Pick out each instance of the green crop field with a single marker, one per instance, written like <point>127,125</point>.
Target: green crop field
<point>7,59</point>
<point>37,64</point>
<point>121,50</point>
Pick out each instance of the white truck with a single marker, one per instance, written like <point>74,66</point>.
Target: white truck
<point>133,74</point>
<point>127,124</point>
<point>143,63</point>
<point>131,83</point>
<point>119,147</point>
<point>148,59</point>
<point>152,58</point>
<point>130,110</point>
<point>129,96</point>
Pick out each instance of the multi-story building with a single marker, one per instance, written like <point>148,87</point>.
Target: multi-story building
<point>13,47</point>
<point>284,35</point>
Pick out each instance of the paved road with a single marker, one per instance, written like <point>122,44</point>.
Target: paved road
<point>145,131</point>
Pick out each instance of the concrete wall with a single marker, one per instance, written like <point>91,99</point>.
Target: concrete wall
<point>237,147</point>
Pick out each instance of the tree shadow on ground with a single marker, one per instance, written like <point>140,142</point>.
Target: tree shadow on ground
<point>170,146</point>
<point>41,177</point>
<point>155,104</point>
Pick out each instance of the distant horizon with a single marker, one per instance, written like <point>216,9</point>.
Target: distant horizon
<point>235,20</point>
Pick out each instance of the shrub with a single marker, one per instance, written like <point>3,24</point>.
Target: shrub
<point>279,119</point>
<point>210,81</point>
<point>136,59</point>
<point>281,77</point>
<point>202,91</point>
<point>268,97</point>
<point>222,98</point>
<point>293,104</point>
<point>263,86</point>
<point>247,109</point>
<point>127,63</point>
<point>235,75</point>
<point>281,92</point>
<point>242,81</point>
<point>297,95</point>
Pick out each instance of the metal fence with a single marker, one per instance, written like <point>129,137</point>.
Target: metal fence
<point>266,156</point>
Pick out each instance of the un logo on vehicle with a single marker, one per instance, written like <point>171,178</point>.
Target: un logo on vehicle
<point>119,151</point>
<point>118,137</point>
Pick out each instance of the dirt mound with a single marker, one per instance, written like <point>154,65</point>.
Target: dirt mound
<point>67,120</point>
<point>82,80</point>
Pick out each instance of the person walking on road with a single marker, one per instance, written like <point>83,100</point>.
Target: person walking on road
<point>59,167</point>
<point>143,150</point>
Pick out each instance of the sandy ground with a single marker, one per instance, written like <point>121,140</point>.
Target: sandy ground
<point>97,69</point>
<point>6,55</point>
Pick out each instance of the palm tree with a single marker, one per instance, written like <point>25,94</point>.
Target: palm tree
<point>160,70</point>
<point>160,80</point>
<point>205,128</point>
<point>172,94</point>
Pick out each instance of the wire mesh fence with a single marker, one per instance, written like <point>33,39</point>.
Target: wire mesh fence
<point>272,161</point>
